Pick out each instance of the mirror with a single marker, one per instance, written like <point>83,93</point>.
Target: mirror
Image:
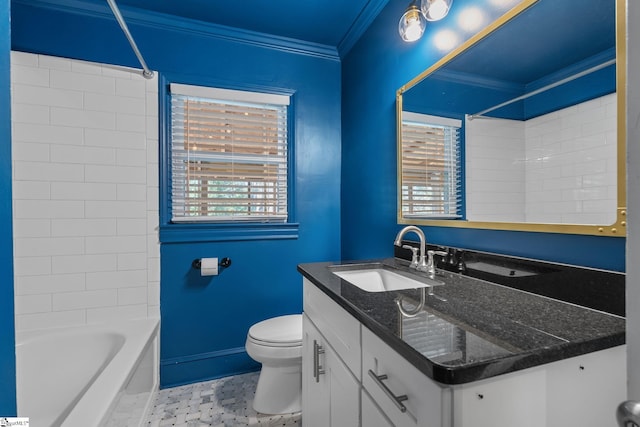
<point>536,117</point>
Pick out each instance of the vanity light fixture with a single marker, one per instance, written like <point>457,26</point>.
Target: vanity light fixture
<point>435,10</point>
<point>411,25</point>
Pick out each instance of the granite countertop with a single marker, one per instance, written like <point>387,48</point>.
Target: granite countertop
<point>471,329</point>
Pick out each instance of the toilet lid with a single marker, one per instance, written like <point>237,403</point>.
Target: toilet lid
<point>281,330</point>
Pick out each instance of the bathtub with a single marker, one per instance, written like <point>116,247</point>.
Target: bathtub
<point>87,376</point>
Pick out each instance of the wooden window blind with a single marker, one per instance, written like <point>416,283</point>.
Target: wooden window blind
<point>229,156</point>
<point>430,167</point>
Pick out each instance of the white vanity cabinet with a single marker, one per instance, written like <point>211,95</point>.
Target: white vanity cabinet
<point>516,399</point>
<point>364,382</point>
<point>330,363</point>
<point>580,391</point>
<point>330,391</point>
<point>406,396</point>
<point>586,390</point>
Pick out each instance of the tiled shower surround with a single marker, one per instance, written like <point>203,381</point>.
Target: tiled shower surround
<point>85,192</point>
<point>559,168</point>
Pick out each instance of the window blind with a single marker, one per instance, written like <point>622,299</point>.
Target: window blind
<point>228,155</point>
<point>430,167</point>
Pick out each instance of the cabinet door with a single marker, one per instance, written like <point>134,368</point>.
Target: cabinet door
<point>372,416</point>
<point>330,393</point>
<point>337,326</point>
<point>344,391</point>
<point>315,392</point>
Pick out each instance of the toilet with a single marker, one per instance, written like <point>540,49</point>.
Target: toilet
<point>277,344</point>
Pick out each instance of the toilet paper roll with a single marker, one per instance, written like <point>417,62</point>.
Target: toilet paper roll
<point>209,267</point>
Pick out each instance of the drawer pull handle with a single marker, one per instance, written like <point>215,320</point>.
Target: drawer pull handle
<point>317,369</point>
<point>397,400</point>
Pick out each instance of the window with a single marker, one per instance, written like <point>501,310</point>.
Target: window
<point>229,155</point>
<point>430,167</point>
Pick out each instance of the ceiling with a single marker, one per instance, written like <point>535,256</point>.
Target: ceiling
<point>326,22</point>
<point>550,42</point>
<point>549,36</point>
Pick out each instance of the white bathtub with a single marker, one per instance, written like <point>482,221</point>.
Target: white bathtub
<point>87,376</point>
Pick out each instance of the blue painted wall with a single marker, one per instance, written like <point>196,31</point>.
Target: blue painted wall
<point>373,70</point>
<point>7,336</point>
<point>205,320</point>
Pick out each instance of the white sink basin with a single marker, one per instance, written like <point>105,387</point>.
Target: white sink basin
<point>379,279</point>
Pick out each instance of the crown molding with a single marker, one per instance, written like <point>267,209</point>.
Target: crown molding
<point>360,25</point>
<point>477,81</point>
<point>135,16</point>
<point>585,64</point>
<point>490,83</point>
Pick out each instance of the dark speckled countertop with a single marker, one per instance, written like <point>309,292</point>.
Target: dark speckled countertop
<point>471,329</point>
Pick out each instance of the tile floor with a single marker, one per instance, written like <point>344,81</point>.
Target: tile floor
<point>226,402</point>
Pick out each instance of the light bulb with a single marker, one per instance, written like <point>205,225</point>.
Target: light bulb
<point>434,10</point>
<point>411,25</point>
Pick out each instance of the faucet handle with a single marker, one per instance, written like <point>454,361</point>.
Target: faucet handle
<point>431,265</point>
<point>414,256</point>
<point>441,253</point>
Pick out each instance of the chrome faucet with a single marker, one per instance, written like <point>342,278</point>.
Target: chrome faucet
<point>421,265</point>
<point>431,263</point>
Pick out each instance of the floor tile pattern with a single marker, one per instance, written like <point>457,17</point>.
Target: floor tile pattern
<point>226,402</point>
<point>129,410</point>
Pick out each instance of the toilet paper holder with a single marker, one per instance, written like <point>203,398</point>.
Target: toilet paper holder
<point>224,263</point>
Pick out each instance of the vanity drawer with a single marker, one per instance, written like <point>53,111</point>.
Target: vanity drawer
<point>372,416</point>
<point>383,368</point>
<point>339,328</point>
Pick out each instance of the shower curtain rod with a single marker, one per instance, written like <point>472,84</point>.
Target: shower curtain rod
<point>542,89</point>
<point>146,72</point>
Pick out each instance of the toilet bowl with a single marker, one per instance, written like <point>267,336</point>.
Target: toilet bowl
<point>277,344</point>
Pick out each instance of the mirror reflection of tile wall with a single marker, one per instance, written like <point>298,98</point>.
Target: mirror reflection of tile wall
<point>545,169</point>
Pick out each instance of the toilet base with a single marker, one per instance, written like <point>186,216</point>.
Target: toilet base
<point>279,390</point>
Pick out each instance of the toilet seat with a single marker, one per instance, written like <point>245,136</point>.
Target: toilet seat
<point>283,331</point>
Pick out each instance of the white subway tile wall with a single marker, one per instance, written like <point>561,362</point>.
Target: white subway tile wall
<point>572,164</point>
<point>557,168</point>
<point>495,174</point>
<point>85,192</point>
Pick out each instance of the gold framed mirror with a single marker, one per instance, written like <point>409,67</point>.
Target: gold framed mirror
<point>522,127</point>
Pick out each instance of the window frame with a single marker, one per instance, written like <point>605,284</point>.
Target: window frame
<point>242,229</point>
<point>434,121</point>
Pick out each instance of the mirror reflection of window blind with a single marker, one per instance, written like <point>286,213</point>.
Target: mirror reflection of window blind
<point>430,165</point>
<point>228,155</point>
<point>433,337</point>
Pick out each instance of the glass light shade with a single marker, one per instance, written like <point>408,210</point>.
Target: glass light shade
<point>411,25</point>
<point>434,10</point>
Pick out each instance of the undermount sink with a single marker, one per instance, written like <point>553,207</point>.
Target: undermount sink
<point>380,278</point>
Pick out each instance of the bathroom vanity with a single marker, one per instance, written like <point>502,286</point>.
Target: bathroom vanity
<point>465,350</point>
